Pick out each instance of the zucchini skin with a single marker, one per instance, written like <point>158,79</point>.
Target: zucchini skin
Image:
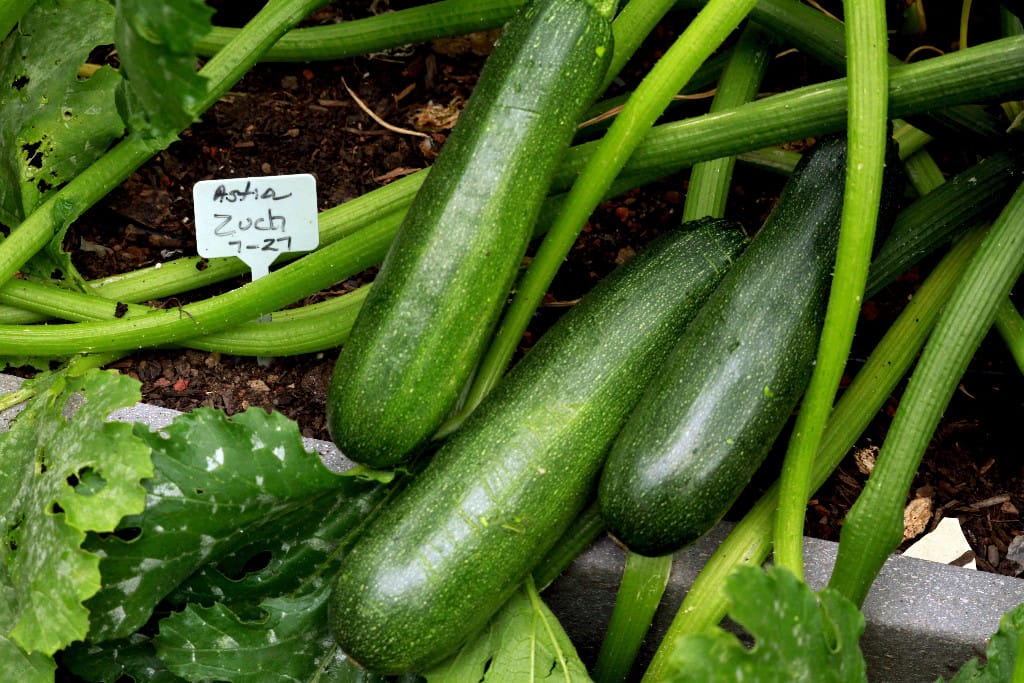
<point>438,562</point>
<point>709,419</point>
<point>446,276</point>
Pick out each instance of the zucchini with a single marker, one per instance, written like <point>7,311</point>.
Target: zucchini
<point>710,417</point>
<point>443,557</point>
<point>441,287</point>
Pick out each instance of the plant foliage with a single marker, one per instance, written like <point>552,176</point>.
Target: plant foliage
<point>799,635</point>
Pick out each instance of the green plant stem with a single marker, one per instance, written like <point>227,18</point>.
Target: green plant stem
<point>315,327</point>
<point>643,583</point>
<point>874,525</point>
<point>587,527</point>
<point>775,159</point>
<point>53,216</point>
<point>1010,25</point>
<point>909,138</point>
<point>782,161</point>
<point>636,20</point>
<point>377,33</point>
<point>750,540</point>
<point>946,211</point>
<point>708,191</point>
<point>376,213</point>
<point>981,72</point>
<point>965,13</point>
<point>300,278</point>
<point>822,37</point>
<point>922,172</point>
<point>971,196</point>
<point>701,37</point>
<point>867,72</point>
<point>15,398</point>
<point>1011,328</point>
<point>76,365</point>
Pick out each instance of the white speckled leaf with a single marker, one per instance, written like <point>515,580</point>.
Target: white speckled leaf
<point>114,660</point>
<point>800,636</point>
<point>289,638</point>
<point>218,482</point>
<point>287,553</point>
<point>67,471</point>
<point>523,642</point>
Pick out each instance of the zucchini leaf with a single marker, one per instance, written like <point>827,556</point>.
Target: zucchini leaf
<point>218,483</point>
<point>799,635</point>
<point>523,642</point>
<point>287,553</point>
<point>238,622</point>
<point>134,657</point>
<point>53,125</point>
<point>67,471</point>
<point>289,638</point>
<point>18,664</point>
<point>161,90</point>
<point>25,668</point>
<point>1002,653</point>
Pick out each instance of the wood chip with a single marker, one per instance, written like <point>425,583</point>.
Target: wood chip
<point>990,502</point>
<point>916,516</point>
<point>865,459</point>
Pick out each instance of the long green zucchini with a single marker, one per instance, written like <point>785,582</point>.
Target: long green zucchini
<point>445,555</point>
<point>711,415</point>
<point>438,294</point>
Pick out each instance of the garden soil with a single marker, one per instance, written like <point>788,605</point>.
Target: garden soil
<point>301,118</point>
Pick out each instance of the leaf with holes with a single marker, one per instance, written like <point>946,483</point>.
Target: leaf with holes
<point>289,637</point>
<point>219,483</point>
<point>114,660</point>
<point>523,642</point>
<point>67,471</point>
<point>161,90</point>
<point>52,124</point>
<point>286,553</point>
<point>799,635</point>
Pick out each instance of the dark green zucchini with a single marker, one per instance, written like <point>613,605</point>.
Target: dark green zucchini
<point>711,415</point>
<point>440,560</point>
<point>446,276</point>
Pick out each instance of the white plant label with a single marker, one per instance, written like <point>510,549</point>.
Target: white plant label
<point>256,219</point>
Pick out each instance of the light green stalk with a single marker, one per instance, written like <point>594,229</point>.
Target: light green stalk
<point>874,525</point>
<point>867,132</point>
<point>710,181</point>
